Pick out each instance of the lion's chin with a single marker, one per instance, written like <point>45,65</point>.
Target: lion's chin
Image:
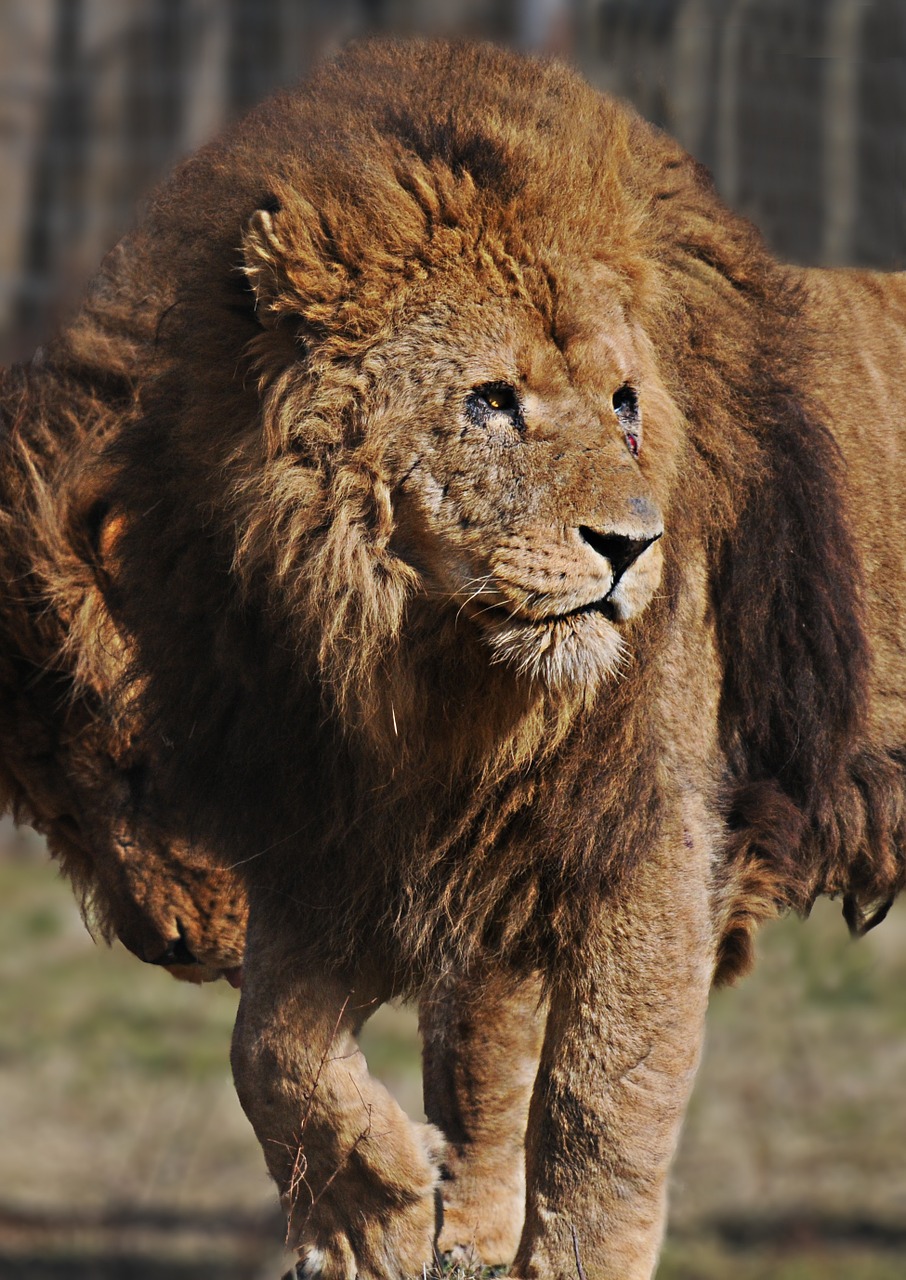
<point>578,651</point>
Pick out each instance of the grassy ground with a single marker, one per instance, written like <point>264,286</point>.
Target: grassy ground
<point>124,1155</point>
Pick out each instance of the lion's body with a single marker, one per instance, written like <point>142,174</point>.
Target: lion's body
<point>512,555</point>
<point>859,321</point>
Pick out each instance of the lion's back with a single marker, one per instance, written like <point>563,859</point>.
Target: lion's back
<point>859,322</point>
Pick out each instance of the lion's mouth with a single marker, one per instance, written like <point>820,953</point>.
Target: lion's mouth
<point>604,606</point>
<point>495,615</point>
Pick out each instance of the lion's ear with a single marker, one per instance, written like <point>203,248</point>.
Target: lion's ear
<point>264,254</point>
<point>95,533</point>
<point>288,264</point>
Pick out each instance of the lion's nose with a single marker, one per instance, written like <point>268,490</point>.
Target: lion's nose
<point>619,549</point>
<point>177,951</point>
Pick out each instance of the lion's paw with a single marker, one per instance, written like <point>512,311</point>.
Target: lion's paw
<point>375,1230</point>
<point>393,1247</point>
<point>482,1220</point>
<point>333,1262</point>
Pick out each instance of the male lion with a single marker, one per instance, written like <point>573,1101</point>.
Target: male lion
<point>500,532</point>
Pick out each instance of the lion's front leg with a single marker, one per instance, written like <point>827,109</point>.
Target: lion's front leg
<point>619,1058</point>
<point>357,1178</point>
<point>482,1039</point>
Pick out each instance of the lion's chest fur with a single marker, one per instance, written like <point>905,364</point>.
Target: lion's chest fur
<point>485,817</point>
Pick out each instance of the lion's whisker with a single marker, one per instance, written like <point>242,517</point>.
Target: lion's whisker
<point>481,589</point>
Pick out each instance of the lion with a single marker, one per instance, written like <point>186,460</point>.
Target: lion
<point>72,757</point>
<point>510,552</point>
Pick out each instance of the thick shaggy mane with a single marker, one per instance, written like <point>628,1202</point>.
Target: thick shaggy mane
<point>59,649</point>
<point>72,759</point>
<point>292,646</point>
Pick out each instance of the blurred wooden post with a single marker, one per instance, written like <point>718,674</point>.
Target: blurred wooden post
<point>204,74</point>
<point>692,72</point>
<point>728,80</point>
<point>25,69</point>
<point>56,170</point>
<point>841,129</point>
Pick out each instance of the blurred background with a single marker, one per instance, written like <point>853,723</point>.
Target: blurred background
<point>123,1153</point>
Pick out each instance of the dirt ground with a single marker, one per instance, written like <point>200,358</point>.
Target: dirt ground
<point>124,1154</point>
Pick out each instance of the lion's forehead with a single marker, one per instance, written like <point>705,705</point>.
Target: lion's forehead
<point>564,337</point>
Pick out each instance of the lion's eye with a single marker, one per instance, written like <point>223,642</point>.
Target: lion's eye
<point>499,396</point>
<point>626,407</point>
<point>493,398</point>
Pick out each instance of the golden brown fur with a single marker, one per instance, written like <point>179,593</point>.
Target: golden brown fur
<point>512,552</point>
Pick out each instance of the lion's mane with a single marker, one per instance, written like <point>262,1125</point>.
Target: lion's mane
<point>72,757</point>
<point>300,679</point>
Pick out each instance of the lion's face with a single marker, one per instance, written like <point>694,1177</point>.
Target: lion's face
<point>510,412</point>
<point>515,449</point>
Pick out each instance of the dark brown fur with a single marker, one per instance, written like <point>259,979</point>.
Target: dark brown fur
<point>73,761</point>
